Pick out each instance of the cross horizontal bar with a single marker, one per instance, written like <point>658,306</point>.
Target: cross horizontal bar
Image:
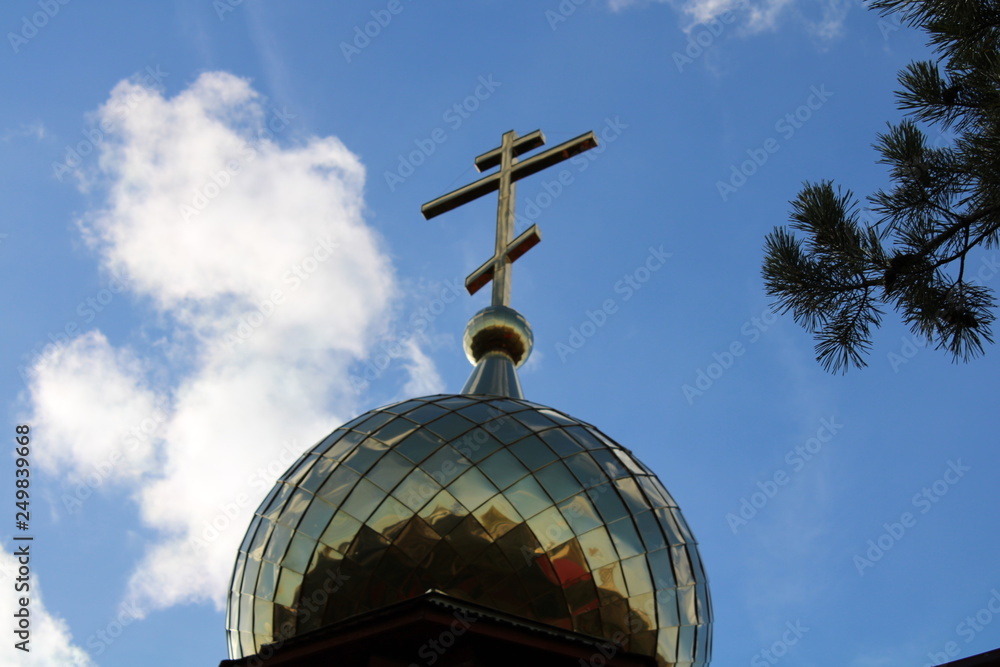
<point>522,244</point>
<point>524,144</point>
<point>463,195</point>
<point>487,184</point>
<point>554,155</point>
<point>528,239</point>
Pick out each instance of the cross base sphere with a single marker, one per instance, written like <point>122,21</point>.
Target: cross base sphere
<point>498,329</point>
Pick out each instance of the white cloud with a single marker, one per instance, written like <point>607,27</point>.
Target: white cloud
<point>423,377</point>
<point>50,642</point>
<point>34,130</point>
<point>110,437</point>
<point>255,254</point>
<point>755,16</point>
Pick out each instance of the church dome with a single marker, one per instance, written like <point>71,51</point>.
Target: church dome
<point>494,500</point>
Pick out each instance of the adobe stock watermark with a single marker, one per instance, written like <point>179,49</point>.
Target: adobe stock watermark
<point>216,182</point>
<point>557,533</point>
<point>786,126</point>
<point>264,309</point>
<point>925,501</point>
<point>44,350</point>
<point>32,25</point>
<point>562,12</point>
<point>394,348</point>
<point>314,603</point>
<point>911,345</point>
<point>432,649</point>
<point>796,459</point>
<point>553,189</point>
<point>968,629</point>
<point>365,33</point>
<point>752,330</point>
<point>626,287</point>
<point>701,36</point>
<point>470,443</point>
<point>104,637</point>
<point>140,432</point>
<point>93,137</point>
<point>886,24</point>
<point>618,640</point>
<point>453,116</point>
<point>781,647</point>
<point>223,7</point>
<point>233,511</point>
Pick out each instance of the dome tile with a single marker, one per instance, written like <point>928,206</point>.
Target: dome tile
<point>419,445</point>
<point>477,444</point>
<point>445,465</point>
<point>288,587</point>
<point>416,489</point>
<point>374,422</point>
<point>503,468</point>
<point>317,473</point>
<point>507,430</point>
<point>277,543</point>
<point>344,445</point>
<point>362,500</point>
<point>533,452</point>
<point>585,469</point>
<point>634,499</point>
<point>299,553</point>
<point>260,538</point>
<point>497,516</point>
<point>581,596</point>
<point>650,531</point>
<point>277,504</point>
<point>612,467</point>
<point>250,571</point>
<point>450,426</point>
<point>426,413</point>
<point>395,430</point>
<point>580,514</point>
<point>550,528</point>
<point>615,620</point>
<point>340,532</point>
<point>534,420</point>
<point>661,565</point>
<point>636,576</point>
<point>588,622</point>
<point>598,548</point>
<point>389,471</point>
<point>626,538</point>
<point>365,455</point>
<point>607,501</point>
<point>416,539</point>
<point>472,489</point>
<point>390,517</point>
<point>481,412</point>
<point>558,481</point>
<point>682,566</point>
<point>443,513</point>
<point>295,507</point>
<point>528,497</point>
<point>561,443</point>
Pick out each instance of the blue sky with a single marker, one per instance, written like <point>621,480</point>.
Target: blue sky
<point>215,256</point>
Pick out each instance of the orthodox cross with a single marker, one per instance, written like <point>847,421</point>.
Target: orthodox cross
<point>508,249</point>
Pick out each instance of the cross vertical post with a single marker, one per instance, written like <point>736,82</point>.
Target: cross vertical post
<point>505,222</point>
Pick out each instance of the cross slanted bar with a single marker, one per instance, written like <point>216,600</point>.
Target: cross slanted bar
<point>508,249</point>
